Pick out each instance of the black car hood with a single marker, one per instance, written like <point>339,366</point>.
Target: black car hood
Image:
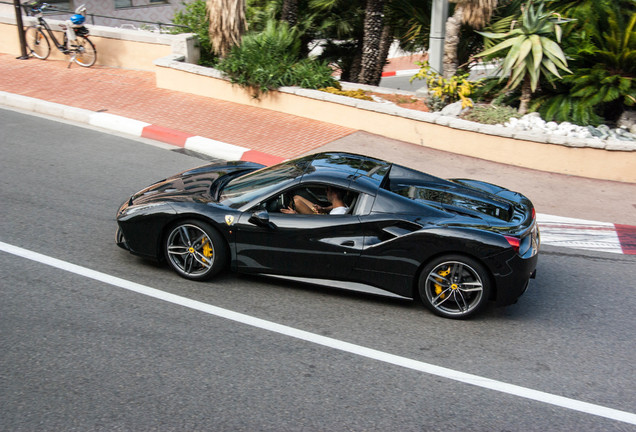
<point>195,185</point>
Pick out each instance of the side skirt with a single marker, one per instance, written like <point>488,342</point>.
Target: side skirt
<point>349,286</point>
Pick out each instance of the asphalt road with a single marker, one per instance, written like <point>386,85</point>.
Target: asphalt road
<point>402,82</point>
<point>79,351</point>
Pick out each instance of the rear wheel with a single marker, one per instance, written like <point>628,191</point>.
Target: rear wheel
<point>454,286</point>
<point>83,51</point>
<point>195,250</point>
<point>37,43</point>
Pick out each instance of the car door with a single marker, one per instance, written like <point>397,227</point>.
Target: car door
<point>317,246</point>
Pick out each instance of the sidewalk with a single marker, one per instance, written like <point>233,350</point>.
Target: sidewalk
<point>132,94</point>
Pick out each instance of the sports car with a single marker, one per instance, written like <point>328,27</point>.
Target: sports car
<point>455,244</point>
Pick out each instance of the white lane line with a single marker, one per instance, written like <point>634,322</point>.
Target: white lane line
<point>524,392</point>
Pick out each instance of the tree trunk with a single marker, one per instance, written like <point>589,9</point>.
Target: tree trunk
<point>227,24</point>
<point>352,74</point>
<point>453,27</point>
<point>526,95</point>
<point>385,45</point>
<point>290,12</point>
<point>373,18</point>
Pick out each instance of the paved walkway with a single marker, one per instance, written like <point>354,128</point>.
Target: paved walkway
<point>133,95</point>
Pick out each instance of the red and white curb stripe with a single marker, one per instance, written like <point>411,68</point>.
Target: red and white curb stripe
<point>587,235</point>
<point>214,149</point>
<point>407,72</point>
<point>555,230</point>
<point>199,144</point>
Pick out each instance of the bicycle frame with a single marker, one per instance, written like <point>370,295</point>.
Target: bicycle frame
<point>42,23</point>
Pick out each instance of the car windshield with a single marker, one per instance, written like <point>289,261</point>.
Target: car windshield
<point>244,189</point>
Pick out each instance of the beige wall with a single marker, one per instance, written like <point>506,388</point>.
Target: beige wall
<point>585,162</point>
<point>110,52</point>
<point>9,42</point>
<point>127,54</point>
<point>131,49</point>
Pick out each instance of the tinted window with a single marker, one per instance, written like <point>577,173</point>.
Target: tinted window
<point>354,165</point>
<point>242,190</point>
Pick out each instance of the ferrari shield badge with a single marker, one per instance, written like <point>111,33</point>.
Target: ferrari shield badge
<point>229,219</point>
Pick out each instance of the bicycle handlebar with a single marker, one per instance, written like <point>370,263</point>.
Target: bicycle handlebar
<point>36,6</point>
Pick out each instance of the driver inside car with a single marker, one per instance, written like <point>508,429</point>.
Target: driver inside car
<point>304,206</point>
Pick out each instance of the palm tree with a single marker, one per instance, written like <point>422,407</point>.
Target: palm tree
<point>474,13</point>
<point>601,47</point>
<point>357,37</point>
<point>371,71</point>
<point>290,12</point>
<point>530,50</point>
<point>227,24</point>
<point>410,21</point>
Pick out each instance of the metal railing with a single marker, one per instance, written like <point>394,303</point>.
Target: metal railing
<point>146,25</point>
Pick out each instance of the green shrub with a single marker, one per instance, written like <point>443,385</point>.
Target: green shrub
<point>601,48</point>
<point>491,114</point>
<point>270,59</point>
<point>311,74</point>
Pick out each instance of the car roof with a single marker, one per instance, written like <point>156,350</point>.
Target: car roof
<point>345,169</point>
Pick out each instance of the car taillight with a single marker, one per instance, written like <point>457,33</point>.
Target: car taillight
<point>514,242</point>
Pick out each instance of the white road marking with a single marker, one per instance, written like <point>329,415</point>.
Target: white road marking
<point>523,392</point>
<point>579,234</point>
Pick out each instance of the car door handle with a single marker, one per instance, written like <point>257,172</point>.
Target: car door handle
<point>349,243</point>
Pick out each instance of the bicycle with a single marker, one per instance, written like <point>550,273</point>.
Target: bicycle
<point>81,50</point>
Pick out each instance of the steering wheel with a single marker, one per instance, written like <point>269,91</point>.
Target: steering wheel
<point>282,201</point>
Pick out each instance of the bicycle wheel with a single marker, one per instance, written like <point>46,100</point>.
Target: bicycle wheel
<point>38,44</point>
<point>83,51</point>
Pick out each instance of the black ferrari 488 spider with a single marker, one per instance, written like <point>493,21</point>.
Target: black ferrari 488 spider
<point>455,244</point>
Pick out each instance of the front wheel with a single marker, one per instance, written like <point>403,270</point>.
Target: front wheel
<point>454,286</point>
<point>37,43</point>
<point>83,51</point>
<point>195,250</point>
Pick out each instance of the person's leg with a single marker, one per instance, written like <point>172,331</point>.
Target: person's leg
<point>303,205</point>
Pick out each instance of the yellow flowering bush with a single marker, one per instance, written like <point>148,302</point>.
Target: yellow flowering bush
<point>455,88</point>
<point>358,94</point>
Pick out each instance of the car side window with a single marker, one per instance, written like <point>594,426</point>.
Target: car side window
<point>312,199</point>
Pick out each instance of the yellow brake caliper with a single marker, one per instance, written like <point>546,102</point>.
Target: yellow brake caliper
<point>438,288</point>
<point>207,249</point>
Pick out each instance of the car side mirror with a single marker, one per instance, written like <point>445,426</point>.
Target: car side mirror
<point>260,218</point>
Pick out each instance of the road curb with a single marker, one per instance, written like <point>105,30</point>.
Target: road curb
<point>589,235</point>
<point>135,128</point>
<point>406,72</point>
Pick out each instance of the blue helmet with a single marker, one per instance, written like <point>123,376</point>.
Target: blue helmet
<point>77,19</point>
